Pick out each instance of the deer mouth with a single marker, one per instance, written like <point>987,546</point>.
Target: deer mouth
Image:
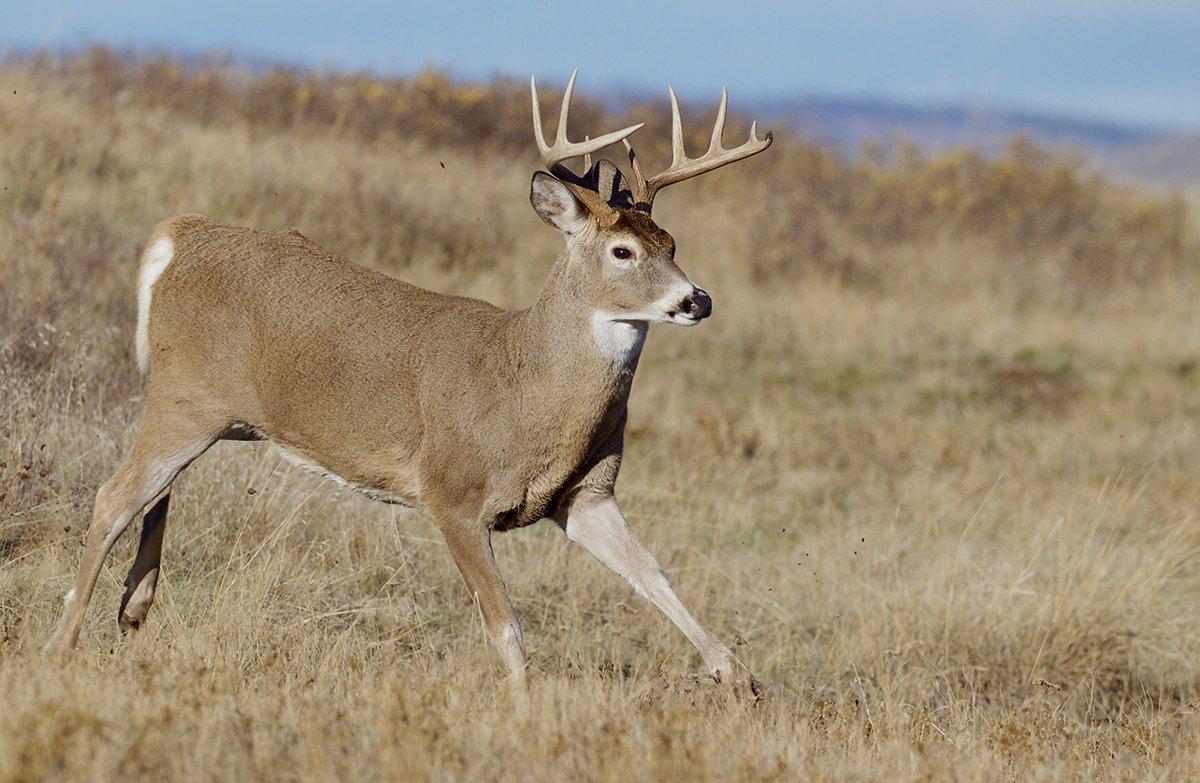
<point>683,319</point>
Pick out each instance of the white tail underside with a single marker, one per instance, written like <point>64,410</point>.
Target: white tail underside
<point>158,256</point>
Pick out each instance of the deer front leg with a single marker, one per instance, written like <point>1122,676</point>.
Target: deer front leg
<point>597,524</point>
<point>472,551</point>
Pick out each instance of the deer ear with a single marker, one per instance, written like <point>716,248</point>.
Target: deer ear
<point>555,204</point>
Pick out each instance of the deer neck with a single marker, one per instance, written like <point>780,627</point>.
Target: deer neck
<point>577,338</point>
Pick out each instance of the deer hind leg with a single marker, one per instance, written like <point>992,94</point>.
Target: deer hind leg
<point>472,552</point>
<point>167,441</point>
<point>142,580</point>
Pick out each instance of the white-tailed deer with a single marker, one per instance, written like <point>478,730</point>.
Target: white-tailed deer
<point>489,419</point>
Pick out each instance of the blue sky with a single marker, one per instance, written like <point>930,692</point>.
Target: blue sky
<point>1130,61</point>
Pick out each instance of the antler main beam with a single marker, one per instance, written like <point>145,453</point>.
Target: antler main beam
<point>561,150</point>
<point>682,167</point>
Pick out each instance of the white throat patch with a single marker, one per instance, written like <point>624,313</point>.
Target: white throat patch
<point>617,340</point>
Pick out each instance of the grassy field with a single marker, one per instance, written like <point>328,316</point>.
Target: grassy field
<point>943,489</point>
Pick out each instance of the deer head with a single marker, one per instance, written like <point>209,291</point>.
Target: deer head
<point>619,260</point>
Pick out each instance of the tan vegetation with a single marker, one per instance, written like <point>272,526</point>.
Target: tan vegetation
<point>932,464</point>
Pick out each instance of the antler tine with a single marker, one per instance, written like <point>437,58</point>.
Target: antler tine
<point>538,138</point>
<point>719,126</point>
<point>678,155</point>
<point>562,149</point>
<point>682,167</point>
<point>560,136</point>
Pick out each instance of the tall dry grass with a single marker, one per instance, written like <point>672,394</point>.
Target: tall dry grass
<point>933,462</point>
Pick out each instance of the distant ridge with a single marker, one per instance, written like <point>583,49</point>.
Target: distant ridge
<point>1126,151</point>
<point>1173,161</point>
<point>850,122</point>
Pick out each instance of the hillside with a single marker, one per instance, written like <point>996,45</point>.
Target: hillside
<point>846,126</point>
<point>1173,161</point>
<point>850,123</point>
<point>930,466</point>
<point>1126,152</point>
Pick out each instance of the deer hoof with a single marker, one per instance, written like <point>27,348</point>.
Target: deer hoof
<point>741,680</point>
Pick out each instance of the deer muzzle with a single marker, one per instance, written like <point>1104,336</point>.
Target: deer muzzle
<point>697,304</point>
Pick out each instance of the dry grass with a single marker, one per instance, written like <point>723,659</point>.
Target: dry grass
<point>939,473</point>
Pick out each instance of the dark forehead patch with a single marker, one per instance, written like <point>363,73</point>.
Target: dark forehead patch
<point>641,225</point>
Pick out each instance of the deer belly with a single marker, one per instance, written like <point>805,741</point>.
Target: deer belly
<point>403,490</point>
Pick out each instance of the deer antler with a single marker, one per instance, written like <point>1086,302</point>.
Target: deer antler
<point>682,167</point>
<point>561,150</point>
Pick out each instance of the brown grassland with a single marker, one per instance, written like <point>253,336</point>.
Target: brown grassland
<point>934,463</point>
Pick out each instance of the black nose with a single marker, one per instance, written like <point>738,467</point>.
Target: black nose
<point>697,304</point>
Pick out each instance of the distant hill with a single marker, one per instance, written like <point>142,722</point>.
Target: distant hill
<point>1127,151</point>
<point>1124,150</point>
<point>849,122</point>
<point>1173,161</point>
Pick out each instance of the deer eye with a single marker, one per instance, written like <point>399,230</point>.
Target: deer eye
<point>622,253</point>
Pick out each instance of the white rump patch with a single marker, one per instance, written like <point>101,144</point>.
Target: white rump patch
<point>158,256</point>
<point>616,339</point>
